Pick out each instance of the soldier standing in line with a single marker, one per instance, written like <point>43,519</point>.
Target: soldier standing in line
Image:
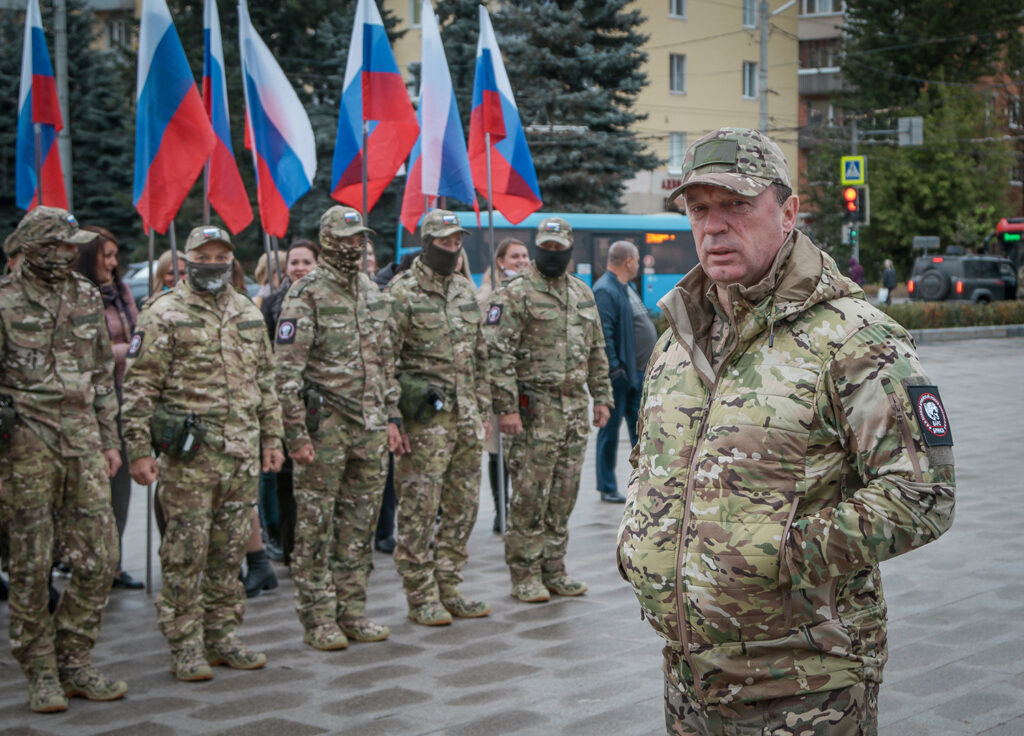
<point>200,389</point>
<point>546,344</point>
<point>445,396</point>
<point>58,449</point>
<point>338,391</point>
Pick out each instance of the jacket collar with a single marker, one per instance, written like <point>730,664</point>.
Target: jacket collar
<point>557,288</point>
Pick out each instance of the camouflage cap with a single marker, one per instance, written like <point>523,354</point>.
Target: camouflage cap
<point>12,245</point>
<point>47,223</point>
<point>207,234</point>
<point>741,160</point>
<point>341,222</point>
<point>554,229</point>
<point>440,224</point>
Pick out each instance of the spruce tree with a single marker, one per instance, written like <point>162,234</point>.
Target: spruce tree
<point>12,28</point>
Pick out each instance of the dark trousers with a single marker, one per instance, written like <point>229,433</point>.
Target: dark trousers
<point>286,510</point>
<point>386,521</point>
<point>627,406</point>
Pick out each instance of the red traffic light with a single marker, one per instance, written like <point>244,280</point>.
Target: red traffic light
<point>850,196</point>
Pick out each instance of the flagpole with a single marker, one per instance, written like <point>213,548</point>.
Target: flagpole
<point>494,287</point>
<point>149,487</point>
<point>266,250</point>
<point>206,192</point>
<point>38,130</point>
<point>366,176</point>
<point>277,262</point>
<point>174,253</point>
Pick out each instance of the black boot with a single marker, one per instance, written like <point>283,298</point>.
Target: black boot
<point>260,575</point>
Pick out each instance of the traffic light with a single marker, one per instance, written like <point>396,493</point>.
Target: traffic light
<point>855,203</point>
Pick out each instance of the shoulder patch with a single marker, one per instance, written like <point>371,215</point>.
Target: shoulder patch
<point>494,314</point>
<point>136,343</point>
<point>931,415</point>
<point>286,332</point>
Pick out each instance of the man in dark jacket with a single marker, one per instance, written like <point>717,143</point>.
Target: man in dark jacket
<point>629,338</point>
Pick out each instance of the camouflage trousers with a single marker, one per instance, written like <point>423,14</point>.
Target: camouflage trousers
<point>207,503</point>
<point>441,472</point>
<point>544,461</point>
<point>848,711</point>
<point>337,498</point>
<point>46,497</point>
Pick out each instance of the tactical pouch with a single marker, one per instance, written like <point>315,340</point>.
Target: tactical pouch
<point>192,435</point>
<point>526,407</point>
<point>7,417</point>
<point>176,435</point>
<point>419,400</point>
<point>314,409</point>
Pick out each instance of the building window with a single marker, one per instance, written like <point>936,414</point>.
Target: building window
<point>820,112</point>
<point>820,54</point>
<point>676,8</point>
<point>416,19</point>
<point>821,7</point>
<point>1014,108</point>
<point>676,150</point>
<point>118,33</point>
<point>749,13</point>
<point>749,79</point>
<point>677,73</point>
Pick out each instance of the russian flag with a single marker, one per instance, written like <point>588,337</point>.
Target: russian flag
<point>374,91</point>
<point>277,130</point>
<point>226,192</point>
<point>514,181</point>
<point>439,163</point>
<point>37,104</point>
<point>173,138</point>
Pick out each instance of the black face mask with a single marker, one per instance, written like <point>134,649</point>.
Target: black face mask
<point>441,261</point>
<point>552,263</point>
<point>209,277</point>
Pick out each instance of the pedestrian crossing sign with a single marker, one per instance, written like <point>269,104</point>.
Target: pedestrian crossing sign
<point>853,170</point>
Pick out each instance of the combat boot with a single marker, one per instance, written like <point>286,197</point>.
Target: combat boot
<point>260,575</point>
<point>431,613</point>
<point>45,694</point>
<point>88,682</point>
<point>234,653</point>
<point>360,628</point>
<point>188,665</point>
<point>531,590</point>
<point>562,584</point>
<point>325,637</point>
<point>458,605</point>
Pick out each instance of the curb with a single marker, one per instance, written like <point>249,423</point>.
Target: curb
<point>949,334</point>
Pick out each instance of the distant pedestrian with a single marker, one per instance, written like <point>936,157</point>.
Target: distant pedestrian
<point>889,281</point>
<point>856,272</point>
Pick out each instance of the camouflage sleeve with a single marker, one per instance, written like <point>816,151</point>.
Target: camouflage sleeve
<point>148,361</point>
<point>483,374</point>
<point>901,496</point>
<point>105,401</point>
<point>502,329</point>
<point>399,327</point>
<point>392,392</point>
<point>269,410</point>
<point>296,330</point>
<point>598,382</point>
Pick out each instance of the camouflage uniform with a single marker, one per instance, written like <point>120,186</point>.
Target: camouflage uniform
<point>57,367</point>
<point>334,338</point>
<point>438,338</point>
<point>208,354</point>
<point>784,452</point>
<point>546,345</point>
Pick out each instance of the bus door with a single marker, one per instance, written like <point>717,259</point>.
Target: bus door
<point>665,257</point>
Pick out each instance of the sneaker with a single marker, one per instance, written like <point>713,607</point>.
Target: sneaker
<point>88,682</point>
<point>562,584</point>
<point>233,652</point>
<point>531,591</point>
<point>385,545</point>
<point>458,605</point>
<point>325,637</point>
<point>124,580</point>
<point>363,629</point>
<point>188,665</point>
<point>45,694</point>
<point>431,613</point>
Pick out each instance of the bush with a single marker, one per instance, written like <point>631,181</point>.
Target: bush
<point>928,315</point>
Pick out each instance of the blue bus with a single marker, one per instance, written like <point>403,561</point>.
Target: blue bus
<point>665,242</point>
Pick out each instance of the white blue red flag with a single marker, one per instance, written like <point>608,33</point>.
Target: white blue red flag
<point>513,179</point>
<point>374,92</point>
<point>37,104</point>
<point>173,138</point>
<point>226,192</point>
<point>439,165</point>
<point>278,130</point>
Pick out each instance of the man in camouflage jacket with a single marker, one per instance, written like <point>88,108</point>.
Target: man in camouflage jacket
<point>789,442</point>
<point>56,459</point>
<point>201,350</point>
<point>546,347</point>
<point>442,369</point>
<point>337,387</point>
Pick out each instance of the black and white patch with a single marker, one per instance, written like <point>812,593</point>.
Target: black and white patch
<point>136,344</point>
<point>494,314</point>
<point>286,332</point>
<point>931,415</point>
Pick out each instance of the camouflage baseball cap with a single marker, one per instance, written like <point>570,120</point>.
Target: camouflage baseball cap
<point>12,245</point>
<point>554,229</point>
<point>207,234</point>
<point>741,160</point>
<point>441,224</point>
<point>47,223</point>
<point>341,222</point>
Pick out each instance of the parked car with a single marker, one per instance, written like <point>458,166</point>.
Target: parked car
<point>952,277</point>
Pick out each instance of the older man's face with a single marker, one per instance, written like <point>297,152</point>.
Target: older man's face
<point>737,237</point>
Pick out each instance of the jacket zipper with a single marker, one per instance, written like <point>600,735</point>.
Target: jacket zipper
<point>901,419</point>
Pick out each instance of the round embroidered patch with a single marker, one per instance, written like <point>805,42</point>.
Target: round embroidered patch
<point>285,330</point>
<point>931,414</point>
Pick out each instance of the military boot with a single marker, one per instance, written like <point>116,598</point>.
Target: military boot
<point>325,637</point>
<point>260,575</point>
<point>458,605</point>
<point>360,628</point>
<point>45,694</point>
<point>233,652</point>
<point>430,613</point>
<point>88,682</point>
<point>562,584</point>
<point>188,665</point>
<point>530,590</point>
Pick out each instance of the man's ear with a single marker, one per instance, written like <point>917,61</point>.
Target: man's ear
<point>790,208</point>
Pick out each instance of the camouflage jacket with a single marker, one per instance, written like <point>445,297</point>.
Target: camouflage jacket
<point>546,333</point>
<point>438,337</point>
<point>195,352</point>
<point>765,494</point>
<point>56,362</point>
<point>334,335</point>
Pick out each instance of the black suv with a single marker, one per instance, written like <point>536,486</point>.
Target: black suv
<point>954,277</point>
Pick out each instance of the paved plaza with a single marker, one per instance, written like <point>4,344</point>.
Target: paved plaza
<point>589,665</point>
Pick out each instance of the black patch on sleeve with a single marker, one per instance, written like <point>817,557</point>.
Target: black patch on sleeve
<point>931,416</point>
<point>494,314</point>
<point>136,344</point>
<point>286,330</point>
